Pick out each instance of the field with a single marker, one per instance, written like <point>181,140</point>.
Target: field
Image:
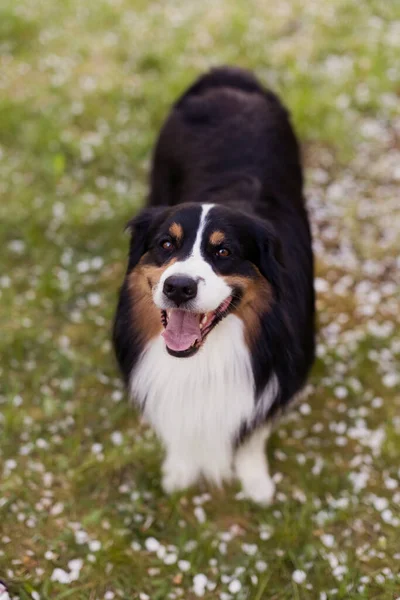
<point>84,87</point>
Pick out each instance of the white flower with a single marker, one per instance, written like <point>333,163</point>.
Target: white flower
<point>75,564</point>
<point>94,545</point>
<point>235,586</point>
<point>97,262</point>
<point>57,508</point>
<point>5,281</point>
<point>81,537</point>
<point>299,576</point>
<point>328,540</point>
<point>117,438</point>
<point>151,544</point>
<point>339,571</point>
<point>170,559</point>
<point>60,576</point>
<point>390,379</point>
<point>58,210</point>
<point>94,299</point>
<point>97,448</point>
<point>83,266</point>
<point>321,285</point>
<point>200,514</point>
<point>136,547</point>
<point>41,443</point>
<point>390,483</point>
<point>117,396</point>
<point>249,549</point>
<point>184,565</point>
<point>380,504</point>
<point>340,392</point>
<point>17,246</point>
<point>305,409</point>
<point>199,584</point>
<point>387,516</point>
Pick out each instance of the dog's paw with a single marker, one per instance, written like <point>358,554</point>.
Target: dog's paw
<point>260,490</point>
<point>177,476</point>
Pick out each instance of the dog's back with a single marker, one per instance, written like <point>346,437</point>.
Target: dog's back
<point>229,136</point>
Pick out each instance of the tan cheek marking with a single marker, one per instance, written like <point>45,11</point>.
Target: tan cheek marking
<point>176,231</point>
<point>152,272</point>
<point>144,313</point>
<point>217,237</point>
<point>256,300</point>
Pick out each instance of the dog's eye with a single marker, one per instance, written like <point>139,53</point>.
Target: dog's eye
<point>222,252</point>
<point>167,245</point>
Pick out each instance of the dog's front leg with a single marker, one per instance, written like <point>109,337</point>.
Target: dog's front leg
<point>251,467</point>
<point>179,471</point>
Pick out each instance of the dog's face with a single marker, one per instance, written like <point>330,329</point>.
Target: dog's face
<point>192,265</point>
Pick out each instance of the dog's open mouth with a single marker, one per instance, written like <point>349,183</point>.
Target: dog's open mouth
<point>186,331</point>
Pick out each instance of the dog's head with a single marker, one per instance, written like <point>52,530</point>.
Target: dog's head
<point>192,265</point>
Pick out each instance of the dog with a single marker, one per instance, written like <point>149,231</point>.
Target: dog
<point>214,329</point>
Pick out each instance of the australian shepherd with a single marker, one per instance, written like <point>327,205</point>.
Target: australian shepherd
<point>214,330</point>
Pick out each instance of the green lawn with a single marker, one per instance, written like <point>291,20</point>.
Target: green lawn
<point>84,87</point>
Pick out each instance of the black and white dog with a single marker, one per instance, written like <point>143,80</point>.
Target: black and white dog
<point>214,330</point>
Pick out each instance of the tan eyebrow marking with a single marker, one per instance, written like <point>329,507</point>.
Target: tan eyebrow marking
<point>217,237</point>
<point>176,231</point>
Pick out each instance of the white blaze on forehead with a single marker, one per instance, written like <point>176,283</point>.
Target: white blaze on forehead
<point>196,250</point>
<point>212,289</point>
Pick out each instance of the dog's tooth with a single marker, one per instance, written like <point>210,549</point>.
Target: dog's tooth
<point>204,320</point>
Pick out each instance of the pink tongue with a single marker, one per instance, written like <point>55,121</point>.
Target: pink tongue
<point>182,330</point>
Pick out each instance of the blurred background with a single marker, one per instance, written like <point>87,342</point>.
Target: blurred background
<point>84,87</point>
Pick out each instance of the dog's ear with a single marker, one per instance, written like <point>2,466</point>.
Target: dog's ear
<point>140,228</point>
<point>269,254</point>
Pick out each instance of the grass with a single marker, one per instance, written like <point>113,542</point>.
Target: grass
<point>84,89</point>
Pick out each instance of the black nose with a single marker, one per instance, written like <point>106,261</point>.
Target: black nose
<point>180,288</point>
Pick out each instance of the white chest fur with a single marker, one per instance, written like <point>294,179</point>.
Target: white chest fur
<point>197,404</point>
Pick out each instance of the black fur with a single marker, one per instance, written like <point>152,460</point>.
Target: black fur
<point>230,142</point>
